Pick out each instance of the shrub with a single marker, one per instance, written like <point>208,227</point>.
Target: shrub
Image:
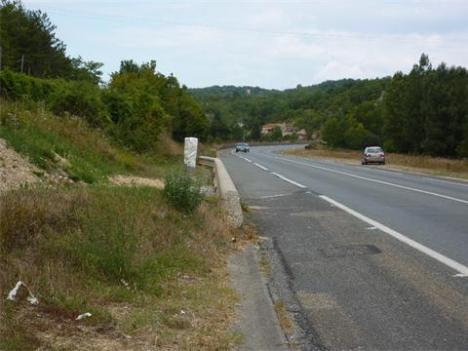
<point>81,99</point>
<point>17,85</point>
<point>182,192</point>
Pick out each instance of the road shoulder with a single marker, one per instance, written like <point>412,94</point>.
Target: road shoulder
<point>258,321</point>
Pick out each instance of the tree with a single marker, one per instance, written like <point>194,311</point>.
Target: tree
<point>29,43</point>
<point>86,70</point>
<point>333,132</point>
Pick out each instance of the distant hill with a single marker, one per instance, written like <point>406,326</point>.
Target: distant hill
<point>422,112</point>
<point>251,107</point>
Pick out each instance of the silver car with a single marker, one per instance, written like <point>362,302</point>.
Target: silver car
<point>373,154</point>
<point>242,147</point>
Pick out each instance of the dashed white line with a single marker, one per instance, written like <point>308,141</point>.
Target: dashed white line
<point>460,268</point>
<point>377,181</point>
<point>289,180</point>
<point>260,166</point>
<point>273,196</point>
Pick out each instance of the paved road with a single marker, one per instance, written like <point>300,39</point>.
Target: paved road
<point>377,259</point>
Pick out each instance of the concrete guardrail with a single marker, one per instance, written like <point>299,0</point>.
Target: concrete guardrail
<point>226,189</point>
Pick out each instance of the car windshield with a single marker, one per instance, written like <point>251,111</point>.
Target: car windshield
<point>374,150</point>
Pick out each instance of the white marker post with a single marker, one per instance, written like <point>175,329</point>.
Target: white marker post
<point>190,153</point>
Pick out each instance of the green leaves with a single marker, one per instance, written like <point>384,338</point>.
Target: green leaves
<point>426,111</point>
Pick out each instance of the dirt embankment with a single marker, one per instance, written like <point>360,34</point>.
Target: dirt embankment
<point>15,171</point>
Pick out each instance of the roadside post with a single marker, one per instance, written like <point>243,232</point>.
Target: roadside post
<point>190,153</point>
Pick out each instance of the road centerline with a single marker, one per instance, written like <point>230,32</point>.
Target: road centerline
<point>460,268</point>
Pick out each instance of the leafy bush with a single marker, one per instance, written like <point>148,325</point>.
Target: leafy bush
<point>182,192</point>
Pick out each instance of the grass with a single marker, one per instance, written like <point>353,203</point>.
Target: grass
<point>283,317</point>
<point>417,163</point>
<point>152,276</point>
<point>67,143</point>
<point>143,269</point>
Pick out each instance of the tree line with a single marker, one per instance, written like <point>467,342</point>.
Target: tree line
<point>422,112</point>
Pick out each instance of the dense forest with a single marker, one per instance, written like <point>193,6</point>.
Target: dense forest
<point>422,112</point>
<point>135,106</point>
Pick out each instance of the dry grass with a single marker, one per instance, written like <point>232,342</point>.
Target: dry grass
<point>169,147</point>
<point>413,163</point>
<point>136,181</point>
<point>283,317</point>
<point>152,277</point>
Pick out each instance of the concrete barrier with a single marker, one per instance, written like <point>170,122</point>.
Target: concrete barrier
<point>226,189</point>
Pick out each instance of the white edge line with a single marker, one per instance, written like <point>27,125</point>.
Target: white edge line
<point>377,181</point>
<point>273,196</point>
<point>460,268</point>
<point>289,180</point>
<point>260,166</point>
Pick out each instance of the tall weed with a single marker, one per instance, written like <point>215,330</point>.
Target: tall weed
<point>182,191</point>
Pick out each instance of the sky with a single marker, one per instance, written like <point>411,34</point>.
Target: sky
<point>272,44</point>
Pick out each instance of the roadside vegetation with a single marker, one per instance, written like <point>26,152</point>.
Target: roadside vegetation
<point>417,163</point>
<point>147,263</point>
<point>100,232</point>
<point>149,274</point>
<point>67,145</point>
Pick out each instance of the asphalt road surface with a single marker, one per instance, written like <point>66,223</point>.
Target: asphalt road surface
<point>377,259</point>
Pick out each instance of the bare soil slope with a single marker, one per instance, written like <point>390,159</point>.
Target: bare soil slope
<point>14,169</point>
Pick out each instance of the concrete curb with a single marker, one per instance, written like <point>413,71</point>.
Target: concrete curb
<point>226,189</point>
<point>258,321</point>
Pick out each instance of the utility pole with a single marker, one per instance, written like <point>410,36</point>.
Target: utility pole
<point>22,63</point>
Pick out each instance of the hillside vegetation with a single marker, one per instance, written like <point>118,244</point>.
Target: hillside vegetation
<point>141,265</point>
<point>422,112</point>
<point>92,232</point>
<point>135,107</point>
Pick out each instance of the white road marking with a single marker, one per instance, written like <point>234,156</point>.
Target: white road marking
<point>245,158</point>
<point>273,196</point>
<point>377,181</point>
<point>289,180</point>
<point>460,268</point>
<point>260,166</point>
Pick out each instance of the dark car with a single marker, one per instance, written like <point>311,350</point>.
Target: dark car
<point>242,147</point>
<point>373,154</point>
